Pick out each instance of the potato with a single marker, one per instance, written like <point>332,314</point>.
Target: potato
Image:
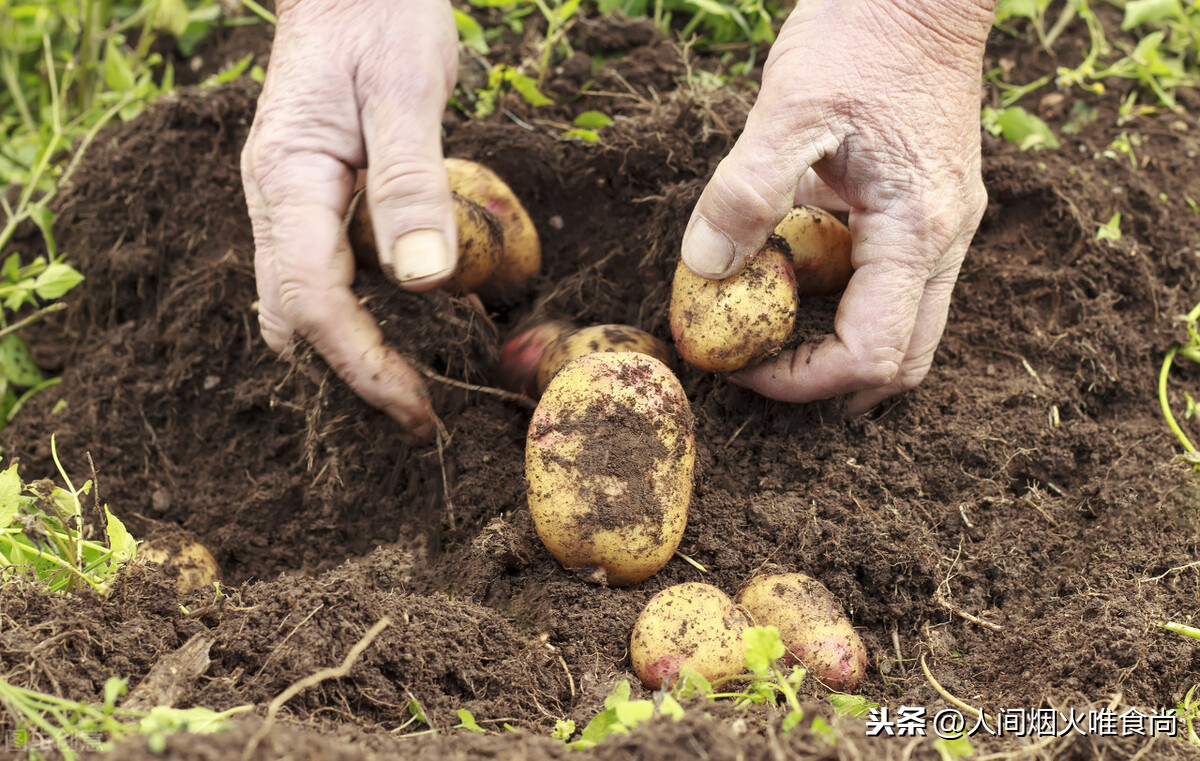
<point>522,256</point>
<point>613,338</point>
<point>694,625</point>
<point>814,630</point>
<point>726,325</point>
<point>609,460</point>
<point>820,246</point>
<point>181,556</point>
<point>522,354</point>
<point>480,242</point>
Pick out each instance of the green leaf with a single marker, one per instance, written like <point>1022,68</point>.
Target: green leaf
<point>527,88</point>
<point>564,12</point>
<point>470,32</point>
<point>670,707</point>
<point>593,120</point>
<point>586,135</point>
<point>1110,230</point>
<point>123,546</point>
<point>10,272</point>
<point>10,495</point>
<point>604,724</point>
<point>690,683</point>
<point>16,362</point>
<point>114,687</point>
<point>44,219</point>
<point>56,280</point>
<point>821,729</point>
<point>955,747</point>
<point>118,74</point>
<point>232,73</point>
<point>851,705</point>
<point>467,721</point>
<point>634,712</point>
<point>763,648</point>
<point>1139,12</point>
<point>1006,9</point>
<point>563,730</point>
<point>414,709</point>
<point>620,694</point>
<point>1019,126</point>
<point>171,16</point>
<point>793,719</point>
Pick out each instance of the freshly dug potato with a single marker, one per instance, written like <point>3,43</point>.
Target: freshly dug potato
<point>726,325</point>
<point>480,242</point>
<point>609,461</point>
<point>522,354</point>
<point>612,338</point>
<point>814,630</point>
<point>522,249</point>
<point>181,556</point>
<point>694,625</point>
<point>820,246</point>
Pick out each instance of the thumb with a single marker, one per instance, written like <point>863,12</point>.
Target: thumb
<point>755,185</point>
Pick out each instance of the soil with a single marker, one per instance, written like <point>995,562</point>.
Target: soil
<point>1018,521</point>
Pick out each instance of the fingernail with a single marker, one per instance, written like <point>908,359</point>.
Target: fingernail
<point>420,255</point>
<point>707,250</point>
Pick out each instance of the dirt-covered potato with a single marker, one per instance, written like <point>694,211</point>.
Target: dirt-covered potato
<point>522,249</point>
<point>820,246</point>
<point>184,558</point>
<point>480,242</point>
<point>613,338</point>
<point>694,625</point>
<point>726,325</point>
<point>522,354</point>
<point>609,461</point>
<point>815,631</point>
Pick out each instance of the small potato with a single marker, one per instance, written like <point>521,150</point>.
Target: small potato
<point>609,460</point>
<point>820,246</point>
<point>522,354</point>
<point>694,625</point>
<point>181,556</point>
<point>480,242</point>
<point>726,325</point>
<point>814,630</point>
<point>613,338</point>
<point>522,249</point>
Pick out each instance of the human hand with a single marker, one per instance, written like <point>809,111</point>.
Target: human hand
<point>352,84</point>
<point>870,106</point>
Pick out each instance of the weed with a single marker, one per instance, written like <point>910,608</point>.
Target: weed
<point>1188,711</point>
<point>46,721</point>
<point>1189,350</point>
<point>1017,125</point>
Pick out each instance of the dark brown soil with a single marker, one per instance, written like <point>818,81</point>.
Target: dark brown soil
<point>1018,520</point>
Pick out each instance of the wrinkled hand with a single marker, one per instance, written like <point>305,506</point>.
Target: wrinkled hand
<point>352,83</point>
<point>881,99</point>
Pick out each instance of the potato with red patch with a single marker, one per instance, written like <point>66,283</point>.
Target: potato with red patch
<point>821,247</point>
<point>609,461</point>
<point>726,325</point>
<point>815,631</point>
<point>522,355</point>
<point>573,344</point>
<point>689,625</point>
<point>522,257</point>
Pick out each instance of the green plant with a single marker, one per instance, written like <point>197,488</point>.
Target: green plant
<point>1189,350</point>
<point>1188,711</point>
<point>40,532</point>
<point>69,725</point>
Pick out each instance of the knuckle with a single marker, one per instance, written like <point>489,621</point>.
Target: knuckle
<point>411,181</point>
<point>876,368</point>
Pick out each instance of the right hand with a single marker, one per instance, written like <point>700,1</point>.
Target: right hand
<point>352,83</point>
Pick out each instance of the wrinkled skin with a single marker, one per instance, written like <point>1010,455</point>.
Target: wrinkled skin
<point>892,134</point>
<point>889,132</point>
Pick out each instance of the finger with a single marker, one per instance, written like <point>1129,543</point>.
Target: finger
<point>313,268</point>
<point>276,332</point>
<point>408,191</point>
<point>874,323</point>
<point>812,191</point>
<point>927,334</point>
<point>755,185</point>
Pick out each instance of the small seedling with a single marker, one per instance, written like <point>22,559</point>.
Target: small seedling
<point>1189,350</point>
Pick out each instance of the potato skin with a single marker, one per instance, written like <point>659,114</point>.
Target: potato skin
<point>609,461</point>
<point>574,344</point>
<point>480,242</point>
<point>726,325</point>
<point>181,556</point>
<point>522,354</point>
<point>694,625</point>
<point>820,246</point>
<point>817,635</point>
<point>522,257</point>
